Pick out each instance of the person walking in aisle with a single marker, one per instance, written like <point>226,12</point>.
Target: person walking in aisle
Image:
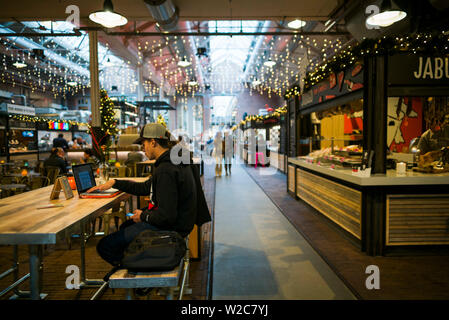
<point>228,151</point>
<point>218,153</point>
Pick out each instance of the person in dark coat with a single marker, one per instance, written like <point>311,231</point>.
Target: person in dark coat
<point>174,204</point>
<point>60,142</point>
<point>56,159</point>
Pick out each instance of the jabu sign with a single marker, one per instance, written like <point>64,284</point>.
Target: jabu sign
<point>406,69</point>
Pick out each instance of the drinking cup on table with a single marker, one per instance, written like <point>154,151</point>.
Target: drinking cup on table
<point>401,168</point>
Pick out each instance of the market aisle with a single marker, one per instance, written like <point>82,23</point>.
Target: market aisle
<point>258,254</point>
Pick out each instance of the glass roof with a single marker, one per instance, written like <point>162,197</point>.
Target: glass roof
<point>234,50</point>
<point>223,105</point>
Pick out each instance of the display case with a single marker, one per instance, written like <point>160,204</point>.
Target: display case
<point>22,140</point>
<point>360,162</point>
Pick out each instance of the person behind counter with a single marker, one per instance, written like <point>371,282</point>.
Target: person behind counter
<point>436,137</point>
<point>60,142</point>
<point>56,159</point>
<point>177,200</point>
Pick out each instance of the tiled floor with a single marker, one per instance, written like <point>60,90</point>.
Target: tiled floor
<point>258,254</point>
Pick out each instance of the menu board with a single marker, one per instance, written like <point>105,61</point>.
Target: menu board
<point>338,84</point>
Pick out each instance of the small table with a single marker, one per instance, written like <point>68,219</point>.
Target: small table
<point>140,166</point>
<point>6,164</point>
<point>8,187</point>
<point>28,176</point>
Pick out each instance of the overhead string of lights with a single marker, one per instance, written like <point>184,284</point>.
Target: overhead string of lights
<point>429,43</point>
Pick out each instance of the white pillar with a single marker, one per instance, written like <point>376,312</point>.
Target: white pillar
<point>94,82</point>
<point>140,89</point>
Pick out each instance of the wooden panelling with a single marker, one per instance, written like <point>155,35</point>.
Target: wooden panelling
<point>339,203</point>
<point>291,178</point>
<point>274,159</point>
<point>281,163</point>
<point>417,219</point>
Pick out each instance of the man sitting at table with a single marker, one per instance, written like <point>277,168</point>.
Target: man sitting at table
<point>56,159</point>
<point>174,204</point>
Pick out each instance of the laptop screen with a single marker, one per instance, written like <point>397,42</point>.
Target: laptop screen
<point>84,177</point>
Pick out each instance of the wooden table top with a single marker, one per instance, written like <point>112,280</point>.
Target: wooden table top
<point>22,223</point>
<point>147,162</point>
<point>19,175</point>
<point>12,186</point>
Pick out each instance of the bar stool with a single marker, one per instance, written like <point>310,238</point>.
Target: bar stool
<point>174,281</point>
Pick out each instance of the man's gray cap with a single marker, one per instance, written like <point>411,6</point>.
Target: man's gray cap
<point>152,131</point>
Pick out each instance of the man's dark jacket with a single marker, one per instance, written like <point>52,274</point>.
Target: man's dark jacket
<point>56,161</point>
<point>61,143</point>
<point>177,194</point>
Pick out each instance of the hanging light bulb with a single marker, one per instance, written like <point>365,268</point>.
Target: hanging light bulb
<point>184,63</point>
<point>19,65</point>
<point>269,63</point>
<point>387,16</point>
<point>296,24</point>
<point>72,83</point>
<point>107,17</point>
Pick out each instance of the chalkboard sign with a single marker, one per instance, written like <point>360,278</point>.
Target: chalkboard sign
<point>63,184</point>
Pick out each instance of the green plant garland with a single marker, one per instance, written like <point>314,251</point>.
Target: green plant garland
<point>428,43</point>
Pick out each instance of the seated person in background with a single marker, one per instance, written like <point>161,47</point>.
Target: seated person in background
<point>81,142</point>
<point>56,159</point>
<point>74,144</point>
<point>88,157</point>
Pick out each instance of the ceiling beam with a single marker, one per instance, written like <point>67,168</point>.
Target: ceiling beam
<point>212,34</point>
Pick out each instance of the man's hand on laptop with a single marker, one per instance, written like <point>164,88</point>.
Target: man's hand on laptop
<point>103,187</point>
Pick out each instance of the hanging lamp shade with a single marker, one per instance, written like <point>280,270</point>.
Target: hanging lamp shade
<point>107,17</point>
<point>387,15</point>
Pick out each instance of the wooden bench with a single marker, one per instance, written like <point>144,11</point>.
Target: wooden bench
<point>173,279</point>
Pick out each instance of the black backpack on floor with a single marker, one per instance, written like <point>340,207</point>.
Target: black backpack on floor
<point>154,251</point>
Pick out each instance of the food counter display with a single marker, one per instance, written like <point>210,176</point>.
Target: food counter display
<point>376,158</point>
<point>22,140</point>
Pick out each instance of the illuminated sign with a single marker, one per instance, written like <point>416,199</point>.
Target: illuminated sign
<point>58,126</point>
